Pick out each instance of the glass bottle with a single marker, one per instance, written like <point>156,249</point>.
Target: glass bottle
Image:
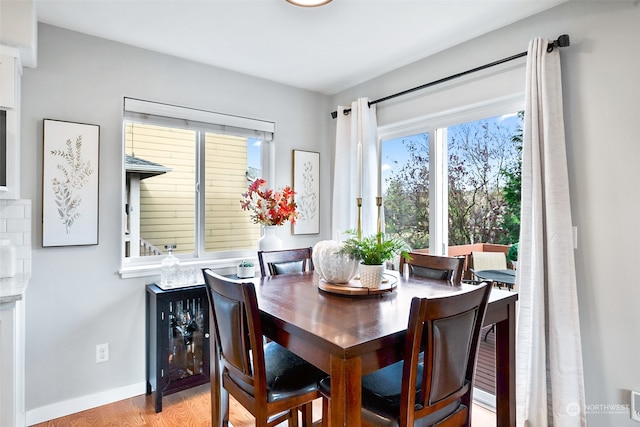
<point>169,268</point>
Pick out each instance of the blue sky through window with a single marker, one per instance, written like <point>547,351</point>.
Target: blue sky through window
<point>395,155</point>
<point>253,152</point>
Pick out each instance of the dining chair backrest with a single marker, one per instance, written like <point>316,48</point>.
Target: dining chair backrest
<point>433,266</point>
<point>433,383</point>
<point>267,379</point>
<point>285,261</point>
<point>448,330</point>
<point>489,261</point>
<point>238,331</point>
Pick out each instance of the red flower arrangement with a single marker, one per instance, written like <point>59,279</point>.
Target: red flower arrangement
<point>269,207</point>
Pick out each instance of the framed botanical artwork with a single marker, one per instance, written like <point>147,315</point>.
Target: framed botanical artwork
<point>70,183</point>
<point>306,184</point>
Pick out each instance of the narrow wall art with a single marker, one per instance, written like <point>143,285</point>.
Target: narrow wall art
<point>70,183</point>
<point>306,184</point>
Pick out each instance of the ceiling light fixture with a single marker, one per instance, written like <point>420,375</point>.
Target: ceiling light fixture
<point>309,3</point>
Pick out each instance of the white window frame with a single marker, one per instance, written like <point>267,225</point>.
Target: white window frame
<point>188,118</point>
<point>436,126</point>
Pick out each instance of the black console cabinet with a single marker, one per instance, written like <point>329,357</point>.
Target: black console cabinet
<point>177,340</point>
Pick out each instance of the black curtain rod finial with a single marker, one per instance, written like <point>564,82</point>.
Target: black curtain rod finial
<point>563,40</point>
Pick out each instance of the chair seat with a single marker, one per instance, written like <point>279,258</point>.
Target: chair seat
<point>287,374</point>
<point>381,392</point>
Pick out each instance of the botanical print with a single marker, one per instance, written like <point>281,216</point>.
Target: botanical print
<point>68,185</point>
<point>70,170</point>
<point>306,179</point>
<point>307,197</point>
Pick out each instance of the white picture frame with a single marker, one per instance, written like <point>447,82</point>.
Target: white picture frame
<point>70,178</point>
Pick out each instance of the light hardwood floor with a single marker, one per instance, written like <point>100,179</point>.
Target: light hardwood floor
<point>188,408</point>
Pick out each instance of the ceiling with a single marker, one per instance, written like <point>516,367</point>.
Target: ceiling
<point>325,49</point>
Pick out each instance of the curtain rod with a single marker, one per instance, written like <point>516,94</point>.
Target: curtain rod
<point>562,41</point>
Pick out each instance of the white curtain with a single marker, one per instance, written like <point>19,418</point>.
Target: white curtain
<point>549,373</point>
<point>356,169</point>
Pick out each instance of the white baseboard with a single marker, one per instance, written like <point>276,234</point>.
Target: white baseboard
<point>71,406</point>
<point>482,398</point>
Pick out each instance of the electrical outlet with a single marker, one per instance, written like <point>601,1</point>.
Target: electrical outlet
<point>635,405</point>
<point>102,353</point>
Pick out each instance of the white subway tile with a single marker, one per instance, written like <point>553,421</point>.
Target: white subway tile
<point>18,225</point>
<point>15,225</point>
<point>16,212</point>
<point>23,252</point>
<point>16,238</point>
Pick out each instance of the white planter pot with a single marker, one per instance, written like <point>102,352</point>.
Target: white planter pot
<point>246,272</point>
<point>371,275</point>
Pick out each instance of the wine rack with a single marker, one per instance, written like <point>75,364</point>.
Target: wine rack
<point>177,340</point>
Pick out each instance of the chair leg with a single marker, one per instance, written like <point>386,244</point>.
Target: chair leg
<point>326,413</point>
<point>306,411</point>
<point>293,418</point>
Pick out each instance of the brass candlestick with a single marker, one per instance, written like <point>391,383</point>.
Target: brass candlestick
<point>359,203</point>
<point>379,204</point>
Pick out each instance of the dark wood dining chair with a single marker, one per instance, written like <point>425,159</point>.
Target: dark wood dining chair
<point>433,384</point>
<point>434,266</point>
<point>285,261</point>
<point>268,380</point>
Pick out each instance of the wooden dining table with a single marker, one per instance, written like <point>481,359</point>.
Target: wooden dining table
<point>349,336</point>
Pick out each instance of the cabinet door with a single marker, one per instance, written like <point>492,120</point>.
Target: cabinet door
<point>177,340</point>
<point>9,126</point>
<point>7,81</point>
<point>187,358</point>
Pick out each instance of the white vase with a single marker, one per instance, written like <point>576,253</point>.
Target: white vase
<point>269,240</point>
<point>371,275</point>
<point>331,266</point>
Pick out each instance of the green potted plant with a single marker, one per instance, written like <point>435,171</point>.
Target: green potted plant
<point>373,251</point>
<point>245,270</point>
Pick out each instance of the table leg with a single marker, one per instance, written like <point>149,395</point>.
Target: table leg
<point>506,369</point>
<point>346,391</point>
<point>219,396</point>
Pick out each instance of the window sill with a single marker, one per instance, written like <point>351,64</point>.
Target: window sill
<point>221,266</point>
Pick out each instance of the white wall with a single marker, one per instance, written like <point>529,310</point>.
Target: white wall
<point>602,116</point>
<point>76,299</point>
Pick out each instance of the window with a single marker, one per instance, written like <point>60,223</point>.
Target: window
<point>453,182</point>
<point>185,171</point>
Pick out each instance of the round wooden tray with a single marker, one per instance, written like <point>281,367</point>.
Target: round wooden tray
<point>354,288</point>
